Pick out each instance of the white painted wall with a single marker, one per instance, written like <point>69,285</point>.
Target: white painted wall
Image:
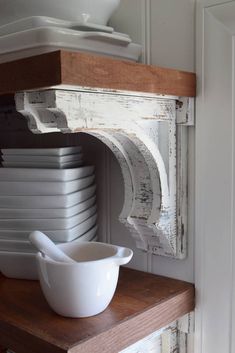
<point>165,28</point>
<point>215,138</point>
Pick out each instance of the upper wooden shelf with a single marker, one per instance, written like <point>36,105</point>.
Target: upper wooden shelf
<point>92,71</point>
<point>143,303</point>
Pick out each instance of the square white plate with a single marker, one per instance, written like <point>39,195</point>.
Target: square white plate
<point>55,235</point>
<point>24,246</point>
<point>49,224</point>
<point>34,213</point>
<point>53,165</point>
<point>54,201</point>
<point>47,39</point>
<point>21,188</point>
<point>42,159</point>
<point>29,174</point>
<point>60,151</point>
<point>22,265</point>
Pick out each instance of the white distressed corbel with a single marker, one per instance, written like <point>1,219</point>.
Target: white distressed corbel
<point>130,125</point>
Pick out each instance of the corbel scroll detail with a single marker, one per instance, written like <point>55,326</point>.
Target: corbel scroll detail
<point>131,126</point>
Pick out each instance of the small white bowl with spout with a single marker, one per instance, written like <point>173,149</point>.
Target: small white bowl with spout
<point>85,287</point>
<point>95,11</point>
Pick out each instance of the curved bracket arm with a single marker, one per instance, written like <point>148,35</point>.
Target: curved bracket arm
<point>131,127</point>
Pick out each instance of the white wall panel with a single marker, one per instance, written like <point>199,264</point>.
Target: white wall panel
<point>215,179</point>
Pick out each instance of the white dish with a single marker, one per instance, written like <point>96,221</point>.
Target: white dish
<point>25,174</point>
<point>59,151</point>
<point>21,265</point>
<point>43,21</point>
<point>49,224</point>
<point>47,39</point>
<point>18,265</point>
<point>98,11</point>
<point>55,235</point>
<point>86,286</point>
<point>31,158</point>
<point>31,213</point>
<point>54,165</point>
<point>44,188</point>
<point>54,201</point>
<point>26,247</point>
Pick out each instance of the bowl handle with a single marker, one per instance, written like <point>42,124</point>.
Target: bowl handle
<point>123,256</point>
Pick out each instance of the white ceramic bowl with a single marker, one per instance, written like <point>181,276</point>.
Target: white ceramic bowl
<point>84,288</point>
<point>96,11</point>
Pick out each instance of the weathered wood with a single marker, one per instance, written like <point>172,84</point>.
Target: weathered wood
<point>127,125</point>
<point>143,303</point>
<point>92,71</point>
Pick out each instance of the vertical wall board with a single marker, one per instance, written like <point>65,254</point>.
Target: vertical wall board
<point>214,183</point>
<point>172,33</point>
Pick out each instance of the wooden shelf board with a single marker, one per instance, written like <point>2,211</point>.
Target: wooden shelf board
<point>143,303</point>
<point>93,71</point>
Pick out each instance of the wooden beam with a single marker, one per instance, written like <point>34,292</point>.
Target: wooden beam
<point>143,303</point>
<point>92,71</point>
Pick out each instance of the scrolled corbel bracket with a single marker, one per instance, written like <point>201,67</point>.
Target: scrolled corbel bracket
<point>135,128</point>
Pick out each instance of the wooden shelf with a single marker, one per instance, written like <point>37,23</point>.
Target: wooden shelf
<point>92,71</point>
<point>143,303</point>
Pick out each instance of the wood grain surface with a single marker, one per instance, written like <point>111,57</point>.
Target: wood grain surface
<point>93,71</point>
<point>143,303</point>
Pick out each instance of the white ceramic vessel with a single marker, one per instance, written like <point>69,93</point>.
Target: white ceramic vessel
<point>31,174</point>
<point>22,188</point>
<point>84,288</point>
<point>46,213</point>
<point>96,11</point>
<point>54,201</point>
<point>18,265</point>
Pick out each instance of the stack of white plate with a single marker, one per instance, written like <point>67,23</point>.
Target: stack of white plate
<point>60,202</point>
<point>39,34</point>
<point>67,157</point>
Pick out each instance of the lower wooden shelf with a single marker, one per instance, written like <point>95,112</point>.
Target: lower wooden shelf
<point>143,303</point>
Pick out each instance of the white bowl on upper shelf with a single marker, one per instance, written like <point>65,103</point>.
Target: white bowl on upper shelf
<point>95,11</point>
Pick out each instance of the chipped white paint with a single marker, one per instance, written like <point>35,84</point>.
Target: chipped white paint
<point>186,329</point>
<point>186,323</point>
<point>185,111</point>
<point>166,340</point>
<point>128,125</point>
